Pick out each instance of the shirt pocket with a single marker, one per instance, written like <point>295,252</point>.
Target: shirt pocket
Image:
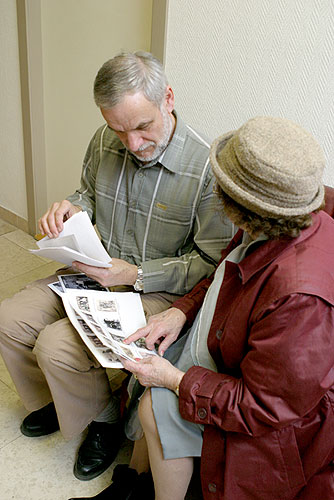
<point>170,228</point>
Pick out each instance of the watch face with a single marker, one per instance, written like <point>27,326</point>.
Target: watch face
<point>139,286</point>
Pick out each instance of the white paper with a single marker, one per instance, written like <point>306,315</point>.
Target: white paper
<point>103,320</point>
<point>78,241</point>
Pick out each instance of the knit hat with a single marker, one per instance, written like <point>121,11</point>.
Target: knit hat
<point>271,166</point>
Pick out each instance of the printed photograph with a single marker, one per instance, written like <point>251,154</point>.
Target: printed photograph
<point>106,305</point>
<point>83,304</point>
<point>80,281</point>
<point>84,326</point>
<point>114,324</point>
<point>96,341</point>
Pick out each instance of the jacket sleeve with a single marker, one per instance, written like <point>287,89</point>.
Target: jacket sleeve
<point>85,195</point>
<point>289,366</point>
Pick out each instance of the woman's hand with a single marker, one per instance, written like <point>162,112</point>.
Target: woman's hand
<point>162,328</point>
<point>154,371</point>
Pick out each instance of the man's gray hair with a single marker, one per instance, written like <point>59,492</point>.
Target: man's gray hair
<point>129,73</point>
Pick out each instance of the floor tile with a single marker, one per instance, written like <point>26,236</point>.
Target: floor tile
<point>5,227</point>
<point>25,241</point>
<point>10,286</point>
<point>5,377</point>
<point>21,239</point>
<point>11,415</point>
<point>42,468</point>
<point>14,260</point>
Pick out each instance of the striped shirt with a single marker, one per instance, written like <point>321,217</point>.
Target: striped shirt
<point>162,216</point>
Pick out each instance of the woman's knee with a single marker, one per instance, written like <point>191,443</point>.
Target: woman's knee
<point>145,412</point>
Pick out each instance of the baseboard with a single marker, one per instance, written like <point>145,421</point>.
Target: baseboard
<point>14,219</point>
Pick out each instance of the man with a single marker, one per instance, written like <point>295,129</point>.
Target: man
<point>146,183</point>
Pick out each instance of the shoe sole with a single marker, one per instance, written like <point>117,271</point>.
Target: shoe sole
<point>27,433</point>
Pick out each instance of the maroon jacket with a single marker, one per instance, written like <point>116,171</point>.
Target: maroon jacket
<point>269,411</point>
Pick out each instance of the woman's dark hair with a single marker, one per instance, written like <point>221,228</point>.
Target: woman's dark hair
<point>273,228</point>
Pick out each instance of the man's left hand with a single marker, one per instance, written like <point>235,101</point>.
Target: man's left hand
<point>121,272</point>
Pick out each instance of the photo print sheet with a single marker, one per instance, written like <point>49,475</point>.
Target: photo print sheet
<point>79,281</point>
<point>77,241</point>
<point>104,319</point>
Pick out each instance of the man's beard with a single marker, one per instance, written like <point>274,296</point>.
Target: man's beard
<point>161,145</point>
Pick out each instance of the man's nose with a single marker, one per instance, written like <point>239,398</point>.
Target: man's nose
<point>134,141</point>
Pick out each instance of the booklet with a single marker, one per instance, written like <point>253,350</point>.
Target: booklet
<point>103,319</point>
<point>78,241</point>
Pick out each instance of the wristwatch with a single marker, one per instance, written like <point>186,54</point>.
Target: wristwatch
<point>139,283</point>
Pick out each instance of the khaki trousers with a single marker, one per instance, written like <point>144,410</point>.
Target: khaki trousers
<point>47,359</point>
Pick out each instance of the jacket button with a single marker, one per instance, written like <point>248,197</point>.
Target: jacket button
<point>219,334</point>
<point>212,487</point>
<point>202,413</point>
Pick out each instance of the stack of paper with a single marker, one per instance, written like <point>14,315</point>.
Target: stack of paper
<point>78,241</point>
<point>102,318</point>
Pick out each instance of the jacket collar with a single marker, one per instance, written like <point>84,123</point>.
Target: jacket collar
<point>269,250</point>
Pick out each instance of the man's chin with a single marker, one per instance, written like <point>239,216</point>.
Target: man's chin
<point>145,155</point>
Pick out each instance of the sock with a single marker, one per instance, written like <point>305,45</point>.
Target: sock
<point>111,413</point>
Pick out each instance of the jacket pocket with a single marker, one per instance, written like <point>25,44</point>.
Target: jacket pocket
<point>266,467</point>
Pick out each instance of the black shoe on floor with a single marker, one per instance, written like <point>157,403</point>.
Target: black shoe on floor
<point>98,451</point>
<point>40,422</point>
<point>124,483</point>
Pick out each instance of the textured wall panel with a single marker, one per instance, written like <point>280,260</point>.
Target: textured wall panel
<point>229,60</point>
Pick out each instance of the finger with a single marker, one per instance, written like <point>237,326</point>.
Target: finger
<point>154,338</point>
<point>167,341</point>
<point>51,220</point>
<point>43,225</point>
<point>138,334</point>
<point>62,213</point>
<point>84,268</point>
<point>129,365</point>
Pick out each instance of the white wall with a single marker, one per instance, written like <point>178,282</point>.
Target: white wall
<point>229,60</point>
<point>78,37</point>
<point>12,185</point>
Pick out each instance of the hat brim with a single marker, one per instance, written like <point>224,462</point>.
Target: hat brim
<point>244,197</point>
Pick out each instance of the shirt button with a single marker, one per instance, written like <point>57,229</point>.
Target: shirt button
<point>132,203</point>
<point>219,334</point>
<point>212,487</point>
<point>130,232</point>
<point>141,174</point>
<point>202,413</point>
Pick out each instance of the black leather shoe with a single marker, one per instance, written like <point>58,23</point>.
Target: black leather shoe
<point>126,485</point>
<point>40,422</point>
<point>98,451</point>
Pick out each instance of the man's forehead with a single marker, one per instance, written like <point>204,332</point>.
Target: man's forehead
<point>131,113</point>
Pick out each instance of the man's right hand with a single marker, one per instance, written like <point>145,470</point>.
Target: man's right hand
<point>52,222</point>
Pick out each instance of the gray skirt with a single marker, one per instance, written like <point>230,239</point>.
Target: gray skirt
<point>179,438</point>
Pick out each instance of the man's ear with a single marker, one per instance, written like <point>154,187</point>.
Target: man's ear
<point>169,99</point>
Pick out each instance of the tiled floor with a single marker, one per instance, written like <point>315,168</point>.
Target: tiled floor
<point>33,468</point>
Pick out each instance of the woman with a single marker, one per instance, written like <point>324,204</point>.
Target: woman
<point>256,369</point>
